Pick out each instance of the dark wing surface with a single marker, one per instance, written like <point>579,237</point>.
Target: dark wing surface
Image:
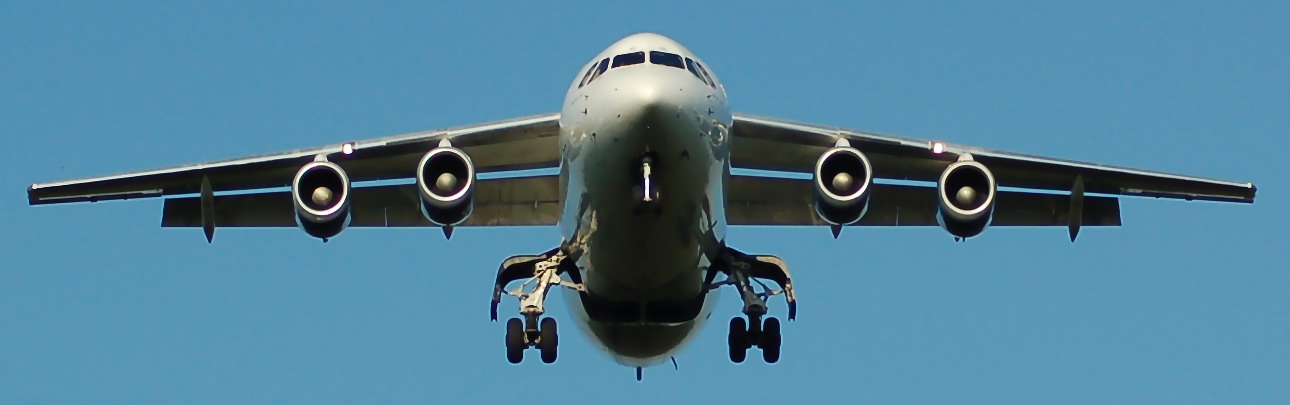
<point>1035,190</point>
<point>516,144</point>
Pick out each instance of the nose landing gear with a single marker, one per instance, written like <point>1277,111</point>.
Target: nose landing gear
<point>645,191</point>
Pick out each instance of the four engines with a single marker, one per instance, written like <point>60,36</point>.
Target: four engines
<point>842,179</point>
<point>320,193</point>
<point>446,183</point>
<point>965,198</point>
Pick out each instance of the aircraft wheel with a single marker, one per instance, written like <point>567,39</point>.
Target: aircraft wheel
<point>770,340</point>
<point>514,340</point>
<point>548,340</point>
<point>738,340</point>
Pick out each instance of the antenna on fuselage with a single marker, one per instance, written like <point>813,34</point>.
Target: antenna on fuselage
<point>674,366</point>
<point>638,373</point>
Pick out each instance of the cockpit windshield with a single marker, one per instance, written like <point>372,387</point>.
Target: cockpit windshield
<point>626,59</point>
<point>664,58</point>
<point>655,57</point>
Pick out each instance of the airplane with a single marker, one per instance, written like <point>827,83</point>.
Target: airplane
<point>638,178</point>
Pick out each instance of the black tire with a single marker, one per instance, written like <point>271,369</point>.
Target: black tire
<point>738,340</point>
<point>770,340</point>
<point>548,340</point>
<point>514,340</point>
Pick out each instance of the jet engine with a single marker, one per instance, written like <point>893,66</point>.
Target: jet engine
<point>965,198</point>
<point>320,193</point>
<point>446,183</point>
<point>843,178</point>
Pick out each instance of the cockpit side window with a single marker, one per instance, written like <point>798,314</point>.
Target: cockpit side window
<point>664,58</point>
<point>627,59</point>
<point>689,65</point>
<point>597,70</point>
<point>587,77</point>
<point>705,74</point>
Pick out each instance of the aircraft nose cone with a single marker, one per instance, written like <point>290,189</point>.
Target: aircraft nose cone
<point>653,101</point>
<point>646,96</point>
<point>649,100</point>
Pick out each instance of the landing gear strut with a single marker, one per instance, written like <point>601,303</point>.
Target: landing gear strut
<point>543,273</point>
<point>751,330</point>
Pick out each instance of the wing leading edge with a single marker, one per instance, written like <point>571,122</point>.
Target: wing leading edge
<point>517,144</point>
<point>771,144</point>
<point>1037,189</point>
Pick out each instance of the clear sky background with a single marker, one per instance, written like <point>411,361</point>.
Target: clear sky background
<point>1184,304</point>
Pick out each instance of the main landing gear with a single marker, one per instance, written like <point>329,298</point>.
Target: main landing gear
<point>543,272</point>
<point>742,271</point>
<point>742,337</point>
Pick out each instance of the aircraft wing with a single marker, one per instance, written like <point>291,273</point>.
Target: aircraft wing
<point>777,145</point>
<point>516,144</point>
<point>512,201</point>
<point>754,200</point>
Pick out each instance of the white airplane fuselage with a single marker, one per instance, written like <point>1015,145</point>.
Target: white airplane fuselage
<point>644,262</point>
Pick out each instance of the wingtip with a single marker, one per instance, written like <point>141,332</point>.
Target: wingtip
<point>31,195</point>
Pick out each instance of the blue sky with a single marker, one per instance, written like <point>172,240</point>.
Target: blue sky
<point>1184,304</point>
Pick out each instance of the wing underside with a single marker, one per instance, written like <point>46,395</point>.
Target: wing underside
<point>777,145</point>
<point>754,200</point>
<point>1034,190</point>
<point>497,202</point>
<point>247,192</point>
<point>250,192</point>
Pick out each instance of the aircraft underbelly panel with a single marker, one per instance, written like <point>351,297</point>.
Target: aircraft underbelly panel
<point>644,262</point>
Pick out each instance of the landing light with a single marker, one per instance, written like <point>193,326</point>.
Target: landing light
<point>938,147</point>
<point>347,148</point>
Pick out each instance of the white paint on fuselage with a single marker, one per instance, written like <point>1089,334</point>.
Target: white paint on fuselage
<point>644,259</point>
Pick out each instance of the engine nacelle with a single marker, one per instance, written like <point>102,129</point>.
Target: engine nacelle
<point>446,183</point>
<point>842,178</point>
<point>965,198</point>
<point>320,192</point>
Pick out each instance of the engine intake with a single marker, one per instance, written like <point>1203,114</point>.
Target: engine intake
<point>843,178</point>
<point>320,193</point>
<point>446,183</point>
<point>965,198</point>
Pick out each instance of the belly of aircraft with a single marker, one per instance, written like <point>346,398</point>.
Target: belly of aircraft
<point>644,264</point>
